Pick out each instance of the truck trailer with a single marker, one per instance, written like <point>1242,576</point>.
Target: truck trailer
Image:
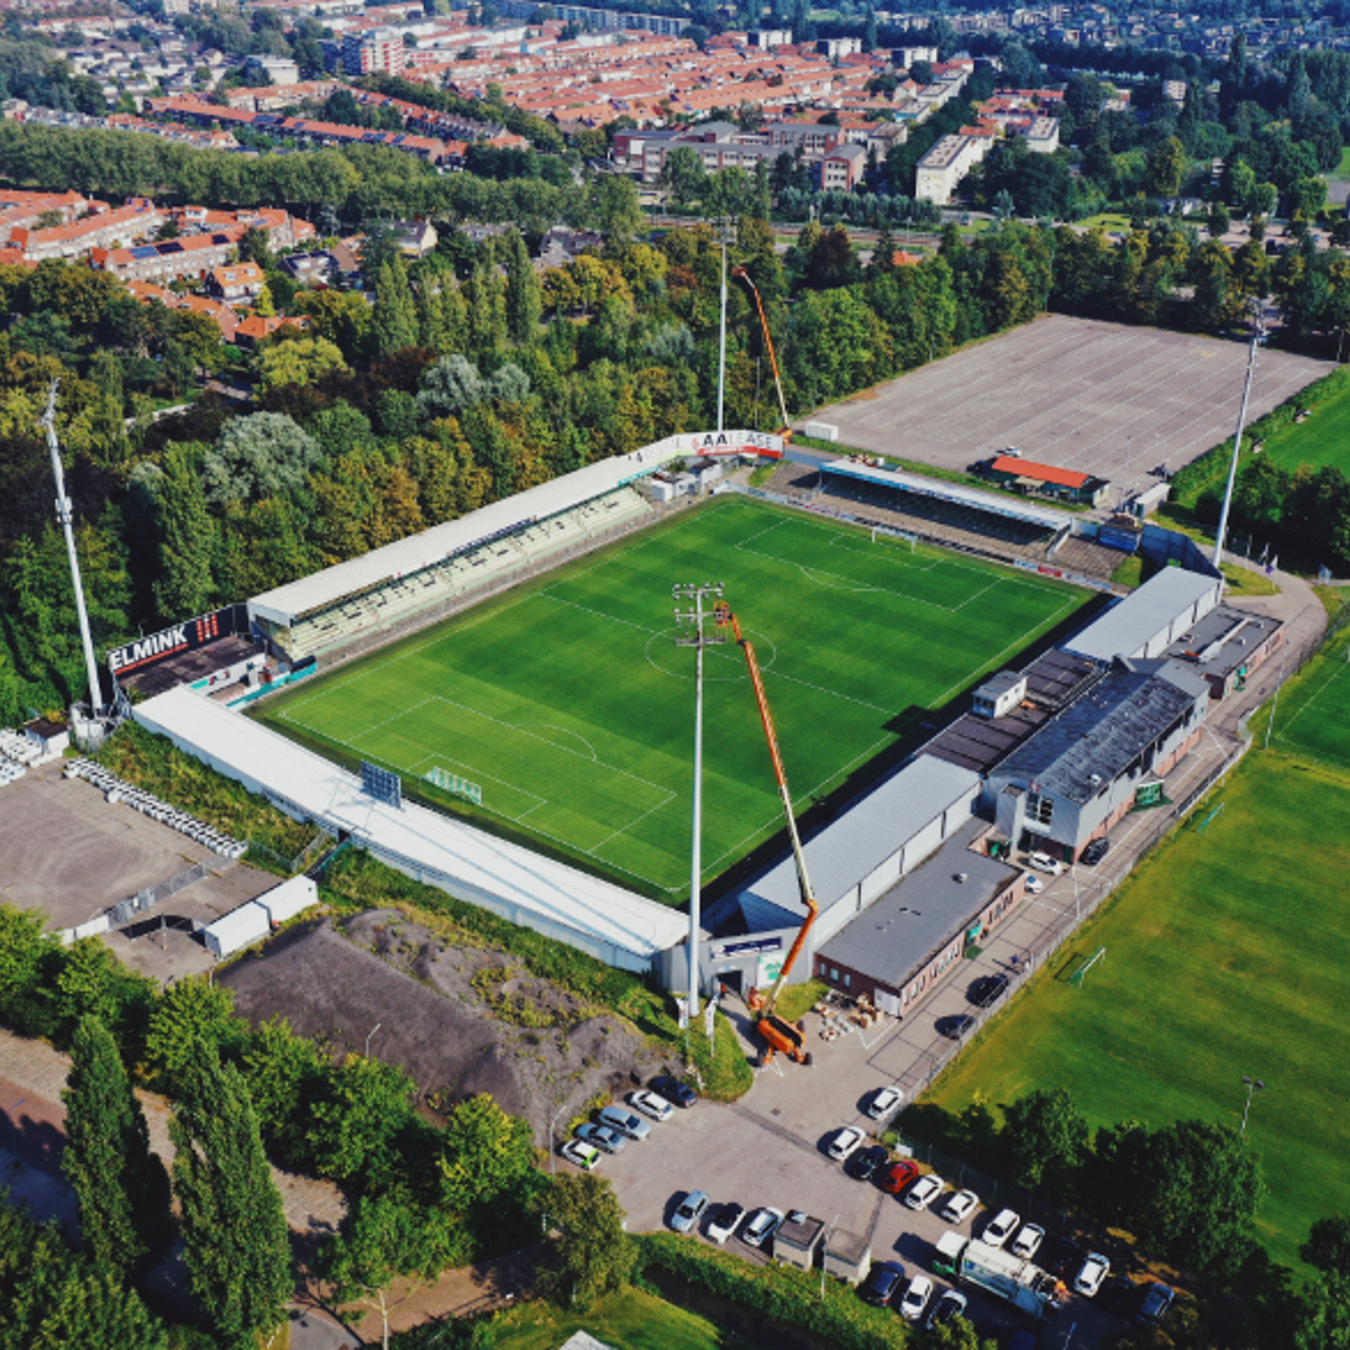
<point>1011,1278</point>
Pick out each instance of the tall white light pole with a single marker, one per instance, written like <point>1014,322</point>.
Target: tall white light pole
<point>63,514</point>
<point>1253,1085</point>
<point>1258,332</point>
<point>722,333</point>
<point>694,632</point>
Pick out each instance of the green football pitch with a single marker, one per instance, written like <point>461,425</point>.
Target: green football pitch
<point>1312,716</point>
<point>568,703</point>
<point>1323,439</point>
<point>1226,954</point>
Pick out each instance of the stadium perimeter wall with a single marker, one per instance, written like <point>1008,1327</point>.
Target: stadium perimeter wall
<point>615,925</point>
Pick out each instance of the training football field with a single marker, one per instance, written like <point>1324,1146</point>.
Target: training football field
<point>1312,717</point>
<point>569,705</point>
<point>1324,439</point>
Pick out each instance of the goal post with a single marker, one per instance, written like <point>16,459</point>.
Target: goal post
<point>901,536</point>
<point>1079,975</point>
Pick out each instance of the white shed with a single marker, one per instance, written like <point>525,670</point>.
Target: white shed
<point>289,899</point>
<point>238,929</point>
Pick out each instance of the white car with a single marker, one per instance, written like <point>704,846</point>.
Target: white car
<point>650,1104</point>
<point>1001,1227</point>
<point>1033,885</point>
<point>723,1223</point>
<point>1095,1269</point>
<point>1043,862</point>
<point>845,1143</point>
<point>885,1102</point>
<point>1028,1241</point>
<point>924,1191</point>
<point>581,1154</point>
<point>762,1226</point>
<point>959,1205</point>
<point>916,1297</point>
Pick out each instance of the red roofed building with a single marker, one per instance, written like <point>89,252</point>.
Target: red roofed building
<point>252,330</point>
<point>1025,475</point>
<point>240,284</point>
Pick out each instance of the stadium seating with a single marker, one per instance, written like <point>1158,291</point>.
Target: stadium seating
<point>464,573</point>
<point>116,789</point>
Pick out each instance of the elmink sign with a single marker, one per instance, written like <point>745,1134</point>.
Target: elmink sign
<point>183,637</point>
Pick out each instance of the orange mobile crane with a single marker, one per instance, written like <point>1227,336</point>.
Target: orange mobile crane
<point>780,1035</point>
<point>786,430</point>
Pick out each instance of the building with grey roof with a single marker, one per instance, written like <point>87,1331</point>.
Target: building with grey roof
<point>1081,772</point>
<point>909,939</point>
<point>1149,619</point>
<point>1227,645</point>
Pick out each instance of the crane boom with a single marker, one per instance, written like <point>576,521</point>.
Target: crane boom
<point>745,276</point>
<point>725,616</point>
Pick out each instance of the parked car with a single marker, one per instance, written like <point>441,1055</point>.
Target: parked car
<point>956,1026</point>
<point>1043,862</point>
<point>1033,885</point>
<point>845,1143</point>
<point>953,1303</point>
<point>1028,1241</point>
<point>762,1226</point>
<point>650,1104</point>
<point>1001,1227</point>
<point>633,1126</point>
<point>680,1094</point>
<point>1154,1304</point>
<point>882,1282</point>
<point>919,1291</point>
<point>604,1137</point>
<point>1096,850</point>
<point>924,1191</point>
<point>885,1102</point>
<point>689,1211</point>
<point>864,1163</point>
<point>897,1176</point>
<point>985,992</point>
<point>959,1206</point>
<point>581,1154</point>
<point>1091,1274</point>
<point>1119,1295</point>
<point>1062,1256</point>
<point>724,1223</point>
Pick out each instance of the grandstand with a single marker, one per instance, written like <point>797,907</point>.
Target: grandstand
<point>428,574</point>
<point>992,524</point>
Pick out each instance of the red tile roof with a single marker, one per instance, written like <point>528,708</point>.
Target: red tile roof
<point>1046,473</point>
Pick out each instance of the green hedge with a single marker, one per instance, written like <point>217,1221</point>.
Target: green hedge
<point>1211,469</point>
<point>782,1292</point>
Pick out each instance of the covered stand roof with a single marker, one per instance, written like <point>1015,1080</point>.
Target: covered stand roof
<point>1147,615</point>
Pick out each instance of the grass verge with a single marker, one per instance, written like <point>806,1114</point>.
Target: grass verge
<point>630,1320</point>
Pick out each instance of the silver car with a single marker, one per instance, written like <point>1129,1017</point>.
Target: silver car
<point>626,1122</point>
<point>689,1211</point>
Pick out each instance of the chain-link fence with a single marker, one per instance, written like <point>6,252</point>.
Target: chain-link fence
<point>268,856</point>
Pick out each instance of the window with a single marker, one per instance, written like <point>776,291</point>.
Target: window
<point>1040,810</point>
<point>848,981</point>
<point>834,975</point>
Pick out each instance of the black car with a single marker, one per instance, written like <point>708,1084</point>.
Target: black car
<point>864,1163</point>
<point>984,993</point>
<point>1153,1306</point>
<point>1061,1256</point>
<point>882,1282</point>
<point>954,1028</point>
<point>1095,852</point>
<point>681,1094</point>
<point>1118,1295</point>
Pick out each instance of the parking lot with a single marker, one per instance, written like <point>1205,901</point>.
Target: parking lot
<point>1101,398</point>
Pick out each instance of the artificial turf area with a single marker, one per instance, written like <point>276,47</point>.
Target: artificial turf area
<point>1323,439</point>
<point>1226,955</point>
<point>568,702</point>
<point>1312,717</point>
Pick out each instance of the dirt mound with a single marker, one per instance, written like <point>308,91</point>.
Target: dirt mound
<point>459,1020</point>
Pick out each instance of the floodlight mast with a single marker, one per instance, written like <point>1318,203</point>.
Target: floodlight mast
<point>63,514</point>
<point>1258,336</point>
<point>697,635</point>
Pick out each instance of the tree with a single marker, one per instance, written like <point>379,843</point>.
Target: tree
<point>523,301</point>
<point>394,324</point>
<point>353,1124</point>
<point>256,457</point>
<point>236,1249</point>
<point>614,207</point>
<point>449,387</point>
<point>683,175</point>
<point>1328,1246</point>
<point>192,1019</point>
<point>591,1254</point>
<point>1166,168</point>
<point>381,1239</point>
<point>1046,1136</point>
<point>302,361</point>
<point>121,1187</point>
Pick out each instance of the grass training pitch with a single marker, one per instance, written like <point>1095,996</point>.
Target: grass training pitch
<point>1225,956</point>
<point>1323,439</point>
<point>1312,717</point>
<point>569,704</point>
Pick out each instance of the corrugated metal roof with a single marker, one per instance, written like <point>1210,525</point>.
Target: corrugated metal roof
<point>1127,628</point>
<point>894,938</point>
<point>1093,740</point>
<point>1000,504</point>
<point>862,838</point>
<point>1041,473</point>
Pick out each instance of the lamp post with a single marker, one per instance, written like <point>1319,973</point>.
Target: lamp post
<point>692,631</point>
<point>1258,335</point>
<point>552,1136</point>
<point>369,1034</point>
<point>1254,1085</point>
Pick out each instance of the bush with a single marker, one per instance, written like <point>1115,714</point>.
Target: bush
<point>782,1292</point>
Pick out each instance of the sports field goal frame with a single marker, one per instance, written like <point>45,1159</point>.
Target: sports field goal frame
<point>1079,975</point>
<point>891,532</point>
<point>454,784</point>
